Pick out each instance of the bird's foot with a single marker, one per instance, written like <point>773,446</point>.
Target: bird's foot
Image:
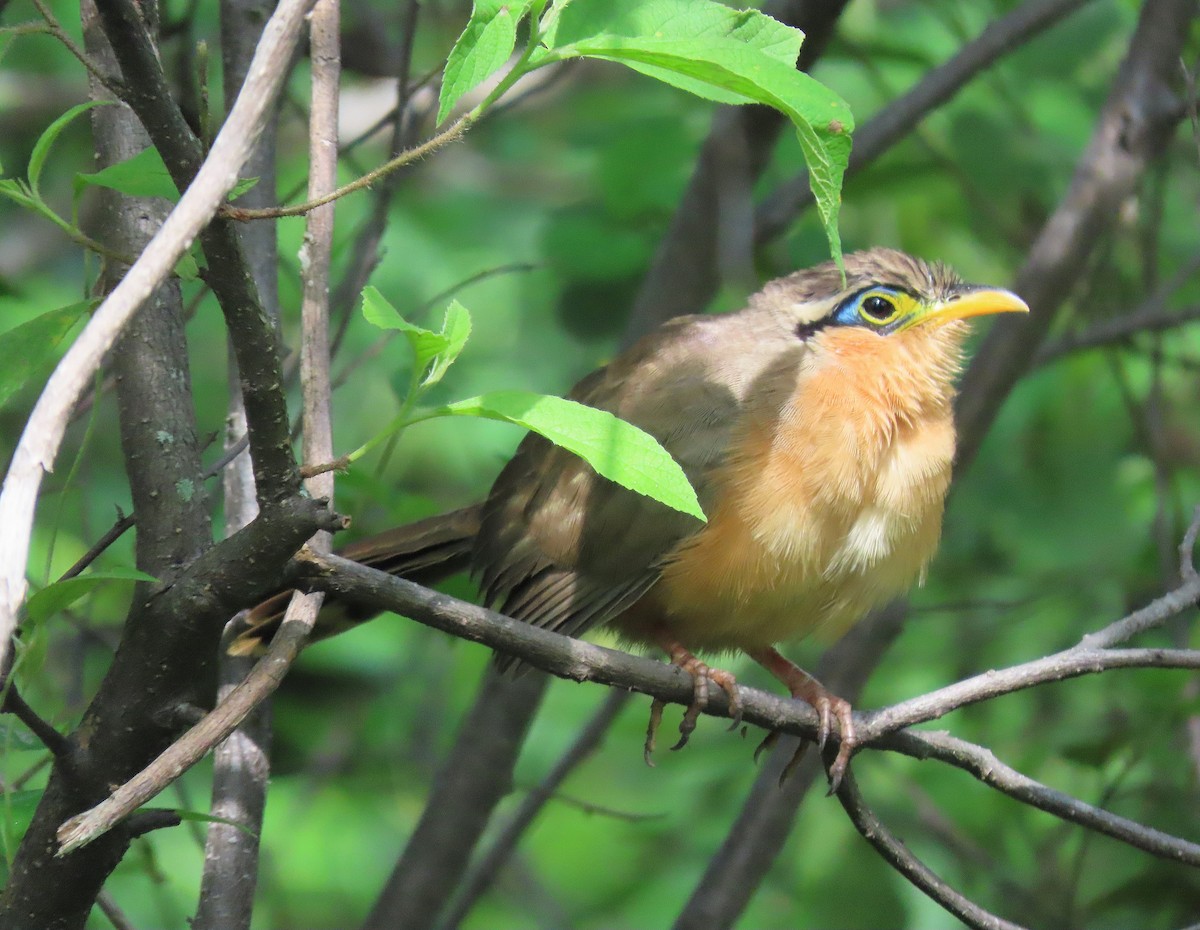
<point>828,707</point>
<point>702,677</point>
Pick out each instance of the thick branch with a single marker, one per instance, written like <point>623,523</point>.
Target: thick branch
<point>251,331</point>
<point>241,763</point>
<point>39,443</point>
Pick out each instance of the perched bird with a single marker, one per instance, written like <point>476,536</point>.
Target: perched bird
<point>816,426</point>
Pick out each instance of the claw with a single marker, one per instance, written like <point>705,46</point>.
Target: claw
<point>848,744</point>
<point>768,742</point>
<point>802,685</point>
<point>793,762</point>
<point>702,676</point>
<point>656,712</point>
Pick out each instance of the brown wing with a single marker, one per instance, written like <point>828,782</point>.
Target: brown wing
<point>566,549</point>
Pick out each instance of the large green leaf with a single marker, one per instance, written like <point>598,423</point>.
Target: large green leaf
<point>615,449</point>
<point>27,348</point>
<point>433,352</point>
<point>723,55</point>
<point>484,46</point>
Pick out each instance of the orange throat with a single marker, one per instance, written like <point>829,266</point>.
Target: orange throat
<point>830,504</point>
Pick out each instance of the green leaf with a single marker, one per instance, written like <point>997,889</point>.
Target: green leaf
<point>27,348</point>
<point>41,150</point>
<point>456,329</point>
<point>615,449</point>
<point>19,807</point>
<point>241,187</point>
<point>60,595</point>
<point>674,21</point>
<point>142,175</point>
<point>426,344</point>
<point>484,46</point>
<point>723,55</point>
<point>186,267</point>
<point>17,192</point>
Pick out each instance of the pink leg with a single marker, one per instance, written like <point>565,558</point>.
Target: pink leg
<point>702,675</point>
<point>802,685</point>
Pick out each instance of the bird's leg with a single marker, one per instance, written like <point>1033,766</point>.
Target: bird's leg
<point>701,676</point>
<point>827,705</point>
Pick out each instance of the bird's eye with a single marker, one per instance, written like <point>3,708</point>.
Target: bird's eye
<point>876,308</point>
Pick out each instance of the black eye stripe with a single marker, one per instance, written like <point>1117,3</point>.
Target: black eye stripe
<point>804,330</point>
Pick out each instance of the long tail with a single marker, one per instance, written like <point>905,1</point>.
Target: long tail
<point>425,552</point>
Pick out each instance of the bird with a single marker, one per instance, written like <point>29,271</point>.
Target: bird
<point>816,426</point>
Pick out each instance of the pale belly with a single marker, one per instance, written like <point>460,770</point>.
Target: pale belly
<point>815,558</point>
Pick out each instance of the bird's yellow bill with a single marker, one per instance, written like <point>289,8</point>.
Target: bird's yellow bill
<point>981,302</point>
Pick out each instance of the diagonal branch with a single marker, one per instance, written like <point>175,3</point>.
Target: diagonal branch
<point>903,861</point>
<point>983,765</point>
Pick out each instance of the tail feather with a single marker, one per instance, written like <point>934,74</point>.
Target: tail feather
<point>425,552</point>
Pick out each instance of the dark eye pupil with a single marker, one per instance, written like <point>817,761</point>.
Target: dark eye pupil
<point>878,308</point>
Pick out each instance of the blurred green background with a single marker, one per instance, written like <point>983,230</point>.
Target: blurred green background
<point>1067,520</point>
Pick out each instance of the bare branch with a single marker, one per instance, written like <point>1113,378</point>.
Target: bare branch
<point>241,762</point>
<point>60,747</point>
<point>1070,663</point>
<point>1187,551</point>
<point>983,764</point>
<point>898,856</point>
<point>580,661</point>
<point>196,742</point>
<point>1152,316</point>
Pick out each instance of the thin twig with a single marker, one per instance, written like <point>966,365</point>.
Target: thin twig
<point>122,525</point>
<point>13,703</point>
<point>1070,663</point>
<point>113,83</point>
<point>903,861</point>
<point>1151,316</point>
<point>983,764</point>
<point>196,742</point>
<point>414,154</point>
<point>1187,551</point>
<point>116,916</point>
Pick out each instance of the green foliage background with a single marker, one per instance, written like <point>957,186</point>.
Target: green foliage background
<point>1064,523</point>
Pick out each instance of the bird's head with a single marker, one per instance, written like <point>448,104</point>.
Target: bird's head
<point>886,293</point>
<point>892,330</point>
